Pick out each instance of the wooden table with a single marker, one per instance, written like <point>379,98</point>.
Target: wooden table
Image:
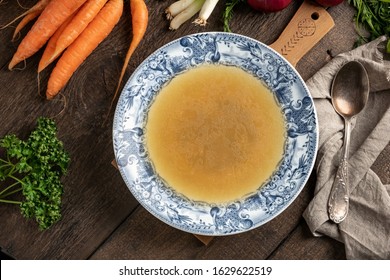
<point>101,219</point>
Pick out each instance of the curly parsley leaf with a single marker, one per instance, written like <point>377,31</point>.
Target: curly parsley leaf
<point>35,167</point>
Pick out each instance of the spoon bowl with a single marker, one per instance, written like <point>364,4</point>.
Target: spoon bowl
<point>350,89</point>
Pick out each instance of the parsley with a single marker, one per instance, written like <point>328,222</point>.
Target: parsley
<point>373,15</point>
<point>34,168</point>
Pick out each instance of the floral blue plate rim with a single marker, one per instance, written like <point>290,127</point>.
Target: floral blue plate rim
<point>251,211</point>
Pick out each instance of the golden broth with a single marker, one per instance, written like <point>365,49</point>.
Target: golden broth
<point>215,133</point>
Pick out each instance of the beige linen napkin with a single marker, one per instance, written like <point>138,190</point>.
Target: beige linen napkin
<point>366,230</point>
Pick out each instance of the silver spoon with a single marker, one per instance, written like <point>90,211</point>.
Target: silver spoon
<point>350,90</point>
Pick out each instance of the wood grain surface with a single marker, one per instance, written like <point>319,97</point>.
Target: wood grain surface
<point>101,219</point>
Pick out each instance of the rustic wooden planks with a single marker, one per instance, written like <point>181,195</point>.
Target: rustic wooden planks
<point>96,200</point>
<point>163,242</point>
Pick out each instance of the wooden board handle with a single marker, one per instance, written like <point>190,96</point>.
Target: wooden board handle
<point>308,26</point>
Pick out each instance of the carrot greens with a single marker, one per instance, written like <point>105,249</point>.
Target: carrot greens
<point>374,16</point>
<point>33,168</point>
<point>228,13</point>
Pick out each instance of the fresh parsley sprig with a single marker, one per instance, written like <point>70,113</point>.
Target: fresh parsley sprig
<point>374,16</point>
<point>34,168</point>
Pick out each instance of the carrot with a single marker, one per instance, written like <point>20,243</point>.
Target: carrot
<point>51,18</point>
<point>96,31</point>
<point>48,55</point>
<point>139,16</point>
<point>83,17</point>
<point>39,6</point>
<point>29,17</point>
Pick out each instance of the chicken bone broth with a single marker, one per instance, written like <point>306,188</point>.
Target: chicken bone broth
<point>215,133</point>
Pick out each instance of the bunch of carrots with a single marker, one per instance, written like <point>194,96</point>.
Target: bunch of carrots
<point>71,30</point>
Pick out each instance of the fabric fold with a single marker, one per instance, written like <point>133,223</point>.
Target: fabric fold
<point>366,230</point>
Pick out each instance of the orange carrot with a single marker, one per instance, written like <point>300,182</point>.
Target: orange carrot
<point>96,31</point>
<point>83,17</point>
<point>29,17</point>
<point>39,6</point>
<point>139,16</point>
<point>51,18</point>
<point>48,55</point>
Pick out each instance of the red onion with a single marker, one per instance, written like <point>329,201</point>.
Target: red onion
<point>329,3</point>
<point>268,5</point>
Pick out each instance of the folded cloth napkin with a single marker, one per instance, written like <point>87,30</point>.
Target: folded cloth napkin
<point>366,230</point>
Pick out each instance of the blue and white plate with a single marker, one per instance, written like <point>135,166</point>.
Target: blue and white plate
<point>249,212</point>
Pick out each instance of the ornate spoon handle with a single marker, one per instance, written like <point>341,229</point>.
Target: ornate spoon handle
<point>338,203</point>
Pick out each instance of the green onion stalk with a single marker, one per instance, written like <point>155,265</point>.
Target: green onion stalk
<point>181,11</point>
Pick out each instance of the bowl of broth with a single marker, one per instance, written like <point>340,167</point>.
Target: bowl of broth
<point>215,133</point>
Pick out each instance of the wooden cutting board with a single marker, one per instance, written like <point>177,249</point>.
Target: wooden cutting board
<point>309,25</point>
